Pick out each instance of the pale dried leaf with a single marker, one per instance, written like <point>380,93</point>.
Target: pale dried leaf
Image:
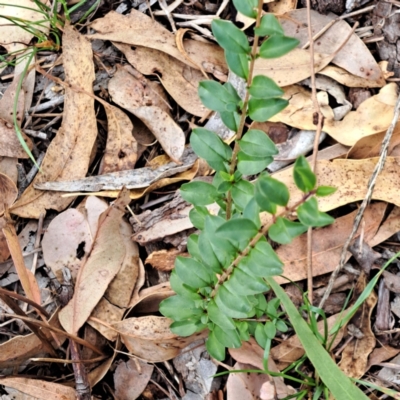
<point>103,264</point>
<point>282,6</point>
<point>68,155</point>
<point>149,299</point>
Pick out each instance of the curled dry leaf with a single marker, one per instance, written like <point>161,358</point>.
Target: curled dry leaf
<point>354,57</point>
<point>131,378</point>
<point>179,80</point>
<point>39,389</point>
<point>151,339</point>
<point>121,147</point>
<point>68,155</point>
<point>139,29</point>
<point>372,116</point>
<point>103,263</point>
<point>149,299</point>
<point>144,102</point>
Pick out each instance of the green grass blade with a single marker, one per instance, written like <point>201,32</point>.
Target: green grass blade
<point>341,387</point>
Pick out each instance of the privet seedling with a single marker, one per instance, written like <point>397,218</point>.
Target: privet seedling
<point>221,286</point>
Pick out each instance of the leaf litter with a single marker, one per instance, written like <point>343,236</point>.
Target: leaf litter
<point>126,140</point>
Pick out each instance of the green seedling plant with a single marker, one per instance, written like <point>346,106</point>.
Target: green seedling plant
<point>221,286</point>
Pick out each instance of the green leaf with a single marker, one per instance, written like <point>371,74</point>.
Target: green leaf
<point>308,212</point>
<point>243,328</point>
<point>250,165</point>
<point>183,290</point>
<point>272,190</point>
<point>229,37</point>
<point>277,46</point>
<point>228,337</point>
<point>199,193</point>
<point>179,308</point>
<point>324,219</point>
<point>260,335</point>
<point>214,347</point>
<point>193,246</point>
<point>238,63</point>
<point>269,26</point>
<point>187,327</point>
<point>192,273</point>
<point>246,7</point>
<point>261,110</point>
<point>218,317</point>
<point>323,191</point>
<point>237,230</point>
<point>208,145</point>
<point>216,97</point>
<point>333,377</point>
<point>263,87</point>
<point>242,193</point>
<point>233,305</point>
<point>252,212</point>
<point>270,330</point>
<point>281,326</point>
<point>256,143</point>
<point>245,284</point>
<point>197,216</point>
<point>230,119</point>
<point>303,176</point>
<point>284,231</point>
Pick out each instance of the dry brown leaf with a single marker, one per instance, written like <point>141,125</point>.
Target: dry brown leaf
<point>138,29</point>
<point>69,231</point>
<point>102,265</point>
<point>354,57</point>
<point>381,354</point>
<point>121,148</point>
<point>150,338</point>
<point>131,378</point>
<point>327,245</point>
<point>149,299</point>
<point>355,355</point>
<point>68,154</point>
<point>144,102</point>
<point>163,260</point>
<point>39,389</point>
<point>292,67</point>
<point>345,78</point>
<point>282,6</point>
<point>179,80</point>
<point>372,116</point>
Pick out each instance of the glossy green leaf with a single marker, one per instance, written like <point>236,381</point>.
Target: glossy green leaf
<point>269,25</point>
<point>303,176</point>
<point>197,216</point>
<point>246,7</point>
<point>225,187</point>
<point>260,335</point>
<point>238,63</point>
<point>187,327</point>
<point>209,146</point>
<point>183,290</point>
<point>236,230</point>
<point>270,329</point>
<point>323,191</point>
<point>218,317</point>
<point>252,212</point>
<point>284,231</point>
<point>230,119</point>
<point>233,305</point>
<point>263,87</point>
<point>256,143</point>
<point>229,37</point>
<point>339,384</point>
<point>308,212</point>
<point>214,347</point>
<point>199,193</point>
<point>243,328</point>
<point>250,165</point>
<point>324,219</point>
<point>245,284</point>
<point>192,273</point>
<point>216,97</point>
<point>272,190</point>
<point>281,326</point>
<point>263,202</point>
<point>242,193</point>
<point>228,337</point>
<point>262,110</point>
<point>179,308</point>
<point>277,46</point>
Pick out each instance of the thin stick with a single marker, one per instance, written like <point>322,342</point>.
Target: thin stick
<point>371,185</point>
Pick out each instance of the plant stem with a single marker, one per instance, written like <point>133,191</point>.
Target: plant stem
<point>239,133</point>
<point>253,242</point>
